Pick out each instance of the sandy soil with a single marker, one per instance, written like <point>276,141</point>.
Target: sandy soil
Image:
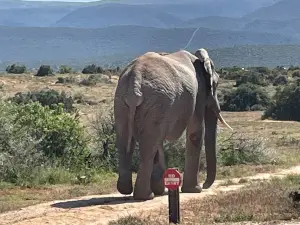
<point>100,209</point>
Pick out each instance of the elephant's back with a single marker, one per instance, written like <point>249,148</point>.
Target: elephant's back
<point>169,91</point>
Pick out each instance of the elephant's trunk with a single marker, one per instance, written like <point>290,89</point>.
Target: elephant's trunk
<point>210,146</point>
<point>212,114</point>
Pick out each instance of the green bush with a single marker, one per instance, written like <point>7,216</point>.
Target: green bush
<point>49,98</point>
<point>296,74</point>
<point>252,77</point>
<point>63,69</point>
<point>93,80</point>
<point>238,149</point>
<point>34,138</point>
<point>16,69</point>
<point>280,80</point>
<point>246,97</point>
<point>285,104</point>
<point>66,80</point>
<point>45,70</point>
<point>91,69</point>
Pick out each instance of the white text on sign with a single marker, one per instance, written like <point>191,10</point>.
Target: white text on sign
<point>172,181</point>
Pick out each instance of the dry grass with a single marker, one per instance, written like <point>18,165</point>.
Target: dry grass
<point>256,202</point>
<point>12,198</point>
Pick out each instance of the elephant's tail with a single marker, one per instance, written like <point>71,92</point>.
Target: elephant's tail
<point>133,99</point>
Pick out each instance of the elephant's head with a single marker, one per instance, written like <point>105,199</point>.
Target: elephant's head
<point>205,67</point>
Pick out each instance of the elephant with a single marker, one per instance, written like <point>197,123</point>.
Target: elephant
<point>159,96</point>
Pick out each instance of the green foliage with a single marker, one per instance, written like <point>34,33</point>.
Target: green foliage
<point>63,69</point>
<point>285,104</point>
<point>91,69</point>
<point>49,98</point>
<point>16,69</point>
<point>237,149</point>
<point>246,97</point>
<point>66,80</point>
<point>45,70</point>
<point>94,79</point>
<point>280,80</point>
<point>296,74</point>
<point>35,138</point>
<point>252,77</point>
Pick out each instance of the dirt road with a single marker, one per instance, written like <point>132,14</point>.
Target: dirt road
<point>100,209</point>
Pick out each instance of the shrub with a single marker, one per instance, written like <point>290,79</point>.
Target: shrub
<point>66,80</point>
<point>16,69</point>
<point>93,80</point>
<point>285,104</point>
<point>45,70</point>
<point>296,74</point>
<point>280,80</point>
<point>49,98</point>
<point>91,69</point>
<point>65,69</point>
<point>35,138</point>
<point>245,97</point>
<point>252,77</point>
<point>238,149</point>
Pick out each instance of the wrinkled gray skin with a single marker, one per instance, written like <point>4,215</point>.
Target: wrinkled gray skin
<point>158,96</point>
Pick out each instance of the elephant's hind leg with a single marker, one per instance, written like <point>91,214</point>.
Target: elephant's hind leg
<point>157,185</point>
<point>124,184</point>
<point>148,147</point>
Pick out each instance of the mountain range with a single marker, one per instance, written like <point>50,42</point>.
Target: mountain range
<point>115,31</point>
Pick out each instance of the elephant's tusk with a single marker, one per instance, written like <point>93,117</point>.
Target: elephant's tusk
<point>220,117</point>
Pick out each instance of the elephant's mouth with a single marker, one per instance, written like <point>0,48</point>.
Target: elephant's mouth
<point>222,120</point>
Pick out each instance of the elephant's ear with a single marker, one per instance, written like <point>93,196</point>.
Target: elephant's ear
<point>202,72</point>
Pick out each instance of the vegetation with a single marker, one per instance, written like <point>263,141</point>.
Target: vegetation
<point>65,69</point>
<point>45,70</point>
<point>286,104</point>
<point>16,69</point>
<point>49,98</point>
<point>90,69</point>
<point>246,97</point>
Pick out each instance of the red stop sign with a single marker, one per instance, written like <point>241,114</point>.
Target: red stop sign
<point>172,179</point>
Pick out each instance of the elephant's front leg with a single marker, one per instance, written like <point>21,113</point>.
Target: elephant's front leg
<point>157,184</point>
<point>124,184</point>
<point>194,140</point>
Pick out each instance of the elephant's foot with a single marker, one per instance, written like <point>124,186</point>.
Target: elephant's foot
<point>125,186</point>
<point>157,183</point>
<point>195,189</point>
<point>157,187</point>
<point>142,195</point>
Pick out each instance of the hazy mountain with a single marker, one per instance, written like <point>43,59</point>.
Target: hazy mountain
<point>118,14</point>
<point>69,45</point>
<point>158,13</point>
<point>31,17</point>
<point>216,22</point>
<point>282,10</point>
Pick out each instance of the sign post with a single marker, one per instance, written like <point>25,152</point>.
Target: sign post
<point>172,181</point>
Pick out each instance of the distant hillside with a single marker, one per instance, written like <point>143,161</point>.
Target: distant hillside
<point>287,27</point>
<point>111,14</point>
<point>216,22</point>
<point>282,10</point>
<point>158,14</point>
<point>67,45</point>
<point>42,16</point>
<point>257,55</point>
